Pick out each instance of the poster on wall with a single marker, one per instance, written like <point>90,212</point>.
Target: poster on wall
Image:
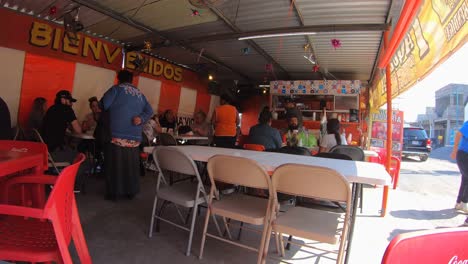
<point>378,139</point>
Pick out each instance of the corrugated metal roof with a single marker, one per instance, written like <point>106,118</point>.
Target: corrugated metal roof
<point>329,12</point>
<point>355,59</point>
<point>255,15</point>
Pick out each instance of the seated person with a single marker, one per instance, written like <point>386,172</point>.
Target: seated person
<point>56,120</point>
<point>151,127</point>
<point>293,148</point>
<point>90,122</point>
<point>305,139</point>
<point>36,116</point>
<point>200,127</point>
<point>292,111</point>
<point>263,134</point>
<point>333,136</point>
<point>168,120</point>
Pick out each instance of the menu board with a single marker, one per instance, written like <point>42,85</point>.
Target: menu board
<point>378,140</point>
<point>332,87</point>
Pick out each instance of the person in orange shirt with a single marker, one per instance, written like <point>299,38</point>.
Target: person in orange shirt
<point>225,121</point>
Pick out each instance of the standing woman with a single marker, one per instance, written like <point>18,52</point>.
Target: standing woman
<point>225,120</point>
<point>460,153</point>
<point>333,136</point>
<point>128,111</point>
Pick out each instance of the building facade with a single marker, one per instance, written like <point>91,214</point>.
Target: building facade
<point>442,121</point>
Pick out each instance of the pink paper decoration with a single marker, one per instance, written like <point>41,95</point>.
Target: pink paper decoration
<point>52,10</point>
<point>336,43</point>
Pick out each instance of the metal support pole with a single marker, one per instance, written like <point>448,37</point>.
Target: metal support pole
<point>389,126</point>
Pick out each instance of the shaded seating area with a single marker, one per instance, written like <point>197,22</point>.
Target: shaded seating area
<point>162,99</point>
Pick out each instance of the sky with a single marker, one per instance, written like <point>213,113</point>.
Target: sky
<point>422,94</point>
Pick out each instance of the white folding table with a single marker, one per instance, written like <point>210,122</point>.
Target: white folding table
<point>356,172</point>
<point>186,138</point>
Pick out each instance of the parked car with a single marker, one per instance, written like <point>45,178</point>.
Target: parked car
<point>416,143</point>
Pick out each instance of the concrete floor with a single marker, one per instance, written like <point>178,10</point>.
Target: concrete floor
<point>117,232</point>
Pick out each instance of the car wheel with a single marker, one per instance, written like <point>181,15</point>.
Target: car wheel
<point>424,158</point>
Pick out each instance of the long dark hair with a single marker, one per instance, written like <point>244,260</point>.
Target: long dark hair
<point>38,106</point>
<point>333,127</point>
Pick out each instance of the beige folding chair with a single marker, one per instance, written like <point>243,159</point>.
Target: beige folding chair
<point>187,194</point>
<point>237,206</point>
<point>52,163</point>
<point>313,224</point>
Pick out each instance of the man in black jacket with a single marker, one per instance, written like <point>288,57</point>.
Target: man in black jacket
<point>5,121</point>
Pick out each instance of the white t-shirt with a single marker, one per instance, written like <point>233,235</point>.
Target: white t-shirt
<point>329,141</point>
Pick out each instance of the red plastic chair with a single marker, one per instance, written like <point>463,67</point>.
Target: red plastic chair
<point>44,235</point>
<point>256,147</point>
<point>26,146</point>
<point>394,166</point>
<point>447,245</point>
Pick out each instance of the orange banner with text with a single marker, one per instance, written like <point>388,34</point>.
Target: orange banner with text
<point>438,30</point>
<point>49,39</point>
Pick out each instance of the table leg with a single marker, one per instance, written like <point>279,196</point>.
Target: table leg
<point>384,201</point>
<point>354,202</point>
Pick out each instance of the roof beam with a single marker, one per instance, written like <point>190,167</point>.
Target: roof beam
<point>94,5</point>
<point>250,42</point>
<point>314,29</point>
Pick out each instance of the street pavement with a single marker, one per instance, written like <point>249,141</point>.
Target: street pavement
<point>424,199</point>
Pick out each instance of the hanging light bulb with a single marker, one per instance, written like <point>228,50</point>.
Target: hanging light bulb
<point>264,91</point>
<point>210,77</point>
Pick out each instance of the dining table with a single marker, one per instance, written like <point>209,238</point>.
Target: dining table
<point>19,159</point>
<point>192,139</point>
<point>18,162</point>
<point>356,172</point>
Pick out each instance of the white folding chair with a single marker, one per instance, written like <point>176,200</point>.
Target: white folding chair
<point>52,163</point>
<point>239,207</point>
<point>313,224</point>
<point>188,194</point>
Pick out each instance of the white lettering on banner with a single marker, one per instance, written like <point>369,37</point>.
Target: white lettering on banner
<point>184,121</point>
<point>382,116</point>
<point>454,260</point>
<point>457,21</point>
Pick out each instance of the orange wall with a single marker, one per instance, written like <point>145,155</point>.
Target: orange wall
<point>251,108</point>
<point>169,98</point>
<point>43,77</point>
